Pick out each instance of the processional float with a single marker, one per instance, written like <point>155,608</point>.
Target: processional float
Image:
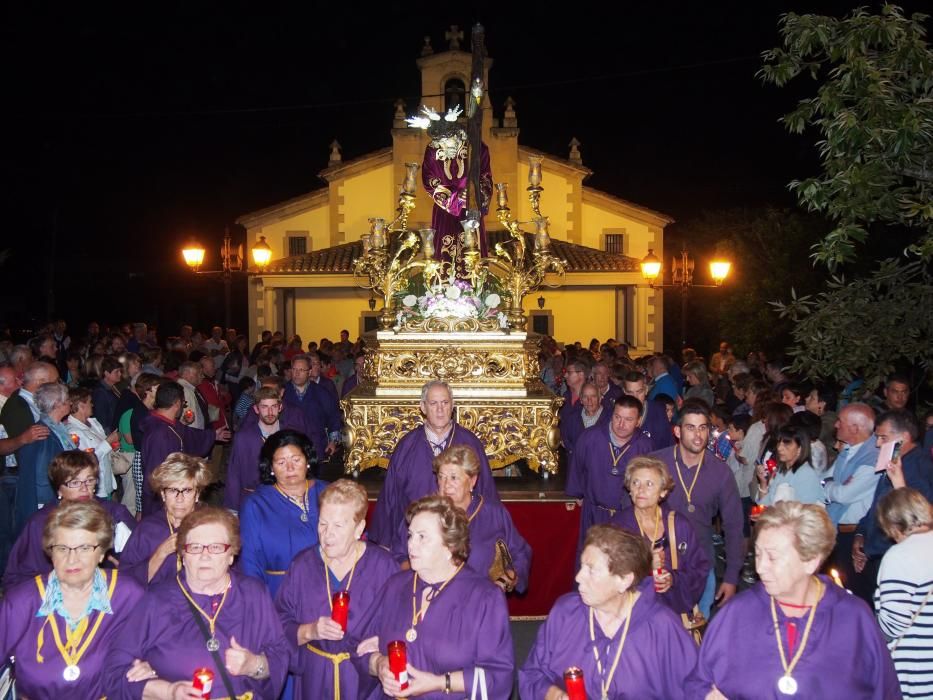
<point>451,313</point>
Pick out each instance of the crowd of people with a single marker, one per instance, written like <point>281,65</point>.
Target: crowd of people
<point>164,525</point>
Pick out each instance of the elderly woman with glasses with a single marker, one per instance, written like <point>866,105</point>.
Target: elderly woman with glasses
<point>207,616</point>
<point>60,626</point>
<point>73,475</point>
<point>33,489</point>
<point>150,554</point>
<point>793,633</point>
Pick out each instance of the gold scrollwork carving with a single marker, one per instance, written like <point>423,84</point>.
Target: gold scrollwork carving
<point>452,363</point>
<point>449,325</point>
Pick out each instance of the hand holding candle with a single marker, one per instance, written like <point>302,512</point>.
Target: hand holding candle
<point>340,609</point>
<point>398,662</point>
<point>573,684</point>
<point>203,681</point>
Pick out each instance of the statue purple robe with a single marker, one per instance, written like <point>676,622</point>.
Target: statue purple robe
<point>164,633</point>
<point>692,563</point>
<point>444,175</point>
<point>19,636</point>
<point>845,655</point>
<point>410,476</point>
<point>590,476</point>
<point>657,656</point>
<point>302,597</point>
<point>466,626</point>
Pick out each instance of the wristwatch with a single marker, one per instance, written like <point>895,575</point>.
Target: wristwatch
<point>260,669</point>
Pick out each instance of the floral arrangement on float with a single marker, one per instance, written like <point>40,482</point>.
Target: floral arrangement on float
<point>455,298</point>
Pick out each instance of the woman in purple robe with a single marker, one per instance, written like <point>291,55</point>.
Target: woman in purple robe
<point>342,562</point>
<point>828,643</point>
<point>280,518</point>
<point>624,639</point>
<point>590,412</point>
<point>207,616</point>
<point>453,621</point>
<point>61,626</point>
<point>150,554</point>
<point>73,476</point>
<point>648,483</point>
<point>497,549</point>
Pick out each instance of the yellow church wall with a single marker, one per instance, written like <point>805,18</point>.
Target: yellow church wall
<point>323,313</point>
<point>580,313</point>
<point>638,236</point>
<point>364,195</point>
<point>314,222</point>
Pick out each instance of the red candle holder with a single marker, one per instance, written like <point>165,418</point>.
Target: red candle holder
<point>573,683</point>
<point>340,609</point>
<point>75,440</point>
<point>398,662</point>
<point>658,573</point>
<point>188,415</point>
<point>771,466</point>
<point>203,681</point>
<point>757,510</point>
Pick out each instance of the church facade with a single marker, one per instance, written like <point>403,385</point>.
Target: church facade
<point>309,287</point>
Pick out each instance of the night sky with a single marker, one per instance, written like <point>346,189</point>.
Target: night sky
<point>130,129</point>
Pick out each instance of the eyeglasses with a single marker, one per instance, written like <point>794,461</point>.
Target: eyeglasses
<point>77,483</point>
<point>213,548</point>
<point>184,493</point>
<point>64,550</point>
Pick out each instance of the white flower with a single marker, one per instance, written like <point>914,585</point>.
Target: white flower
<point>453,292</point>
<point>503,320</point>
<point>493,300</point>
<point>410,300</point>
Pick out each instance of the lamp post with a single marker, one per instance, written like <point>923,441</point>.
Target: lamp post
<point>681,278</point>
<point>231,262</point>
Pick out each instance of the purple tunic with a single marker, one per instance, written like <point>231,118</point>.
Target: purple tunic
<point>571,427</point>
<point>845,656</point>
<point>591,477</point>
<point>19,633</point>
<point>302,598</point>
<point>161,439</point>
<point>488,522</point>
<point>165,634</point>
<point>656,426</point>
<point>692,563</point>
<point>243,467</point>
<point>27,558</point>
<point>152,531</point>
<point>466,625</point>
<point>715,491</point>
<point>410,477</point>
<point>657,656</point>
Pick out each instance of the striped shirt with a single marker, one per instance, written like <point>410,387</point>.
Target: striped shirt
<point>904,580</point>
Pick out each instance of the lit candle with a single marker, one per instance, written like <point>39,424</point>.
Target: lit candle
<point>757,510</point>
<point>534,171</point>
<point>340,610</point>
<point>837,579</point>
<point>573,683</point>
<point>202,681</point>
<point>398,662</point>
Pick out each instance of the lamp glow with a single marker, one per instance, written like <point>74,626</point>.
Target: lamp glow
<point>650,266</point>
<point>261,253</point>
<point>719,270</point>
<point>193,253</point>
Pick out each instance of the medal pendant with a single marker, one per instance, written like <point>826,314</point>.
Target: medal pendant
<point>411,635</point>
<point>71,673</point>
<point>213,645</point>
<point>692,508</point>
<point>787,685</point>
<point>304,517</point>
<point>614,471</point>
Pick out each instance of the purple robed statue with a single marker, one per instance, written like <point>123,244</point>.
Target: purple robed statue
<point>303,597</point>
<point>656,657</point>
<point>40,668</point>
<point>28,558</point>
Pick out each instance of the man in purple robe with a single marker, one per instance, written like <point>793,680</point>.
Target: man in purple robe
<point>410,474</point>
<point>845,654</point>
<point>597,471</point>
<point>268,416</point>
<point>608,392</point>
<point>303,598</point>
<point>653,421</point>
<point>656,658</point>
<point>575,377</point>
<point>703,486</point>
<point>316,396</point>
<point>444,175</point>
<point>163,434</point>
<point>591,412</point>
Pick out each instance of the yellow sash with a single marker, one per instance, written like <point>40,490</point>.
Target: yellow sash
<point>335,659</point>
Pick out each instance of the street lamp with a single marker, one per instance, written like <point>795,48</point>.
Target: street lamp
<point>682,278</point>
<point>232,261</point>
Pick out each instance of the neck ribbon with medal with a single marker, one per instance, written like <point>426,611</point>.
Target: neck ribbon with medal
<point>417,615</point>
<point>688,492</point>
<point>606,681</point>
<point>76,641</point>
<point>786,683</point>
<point>616,458</point>
<point>302,502</point>
<point>213,644</point>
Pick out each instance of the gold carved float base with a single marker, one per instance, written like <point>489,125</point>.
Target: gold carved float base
<point>512,428</point>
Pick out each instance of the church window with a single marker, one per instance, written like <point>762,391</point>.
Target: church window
<point>614,243</point>
<point>297,244</point>
<point>454,94</point>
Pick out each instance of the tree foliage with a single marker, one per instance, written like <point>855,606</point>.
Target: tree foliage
<point>873,111</point>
